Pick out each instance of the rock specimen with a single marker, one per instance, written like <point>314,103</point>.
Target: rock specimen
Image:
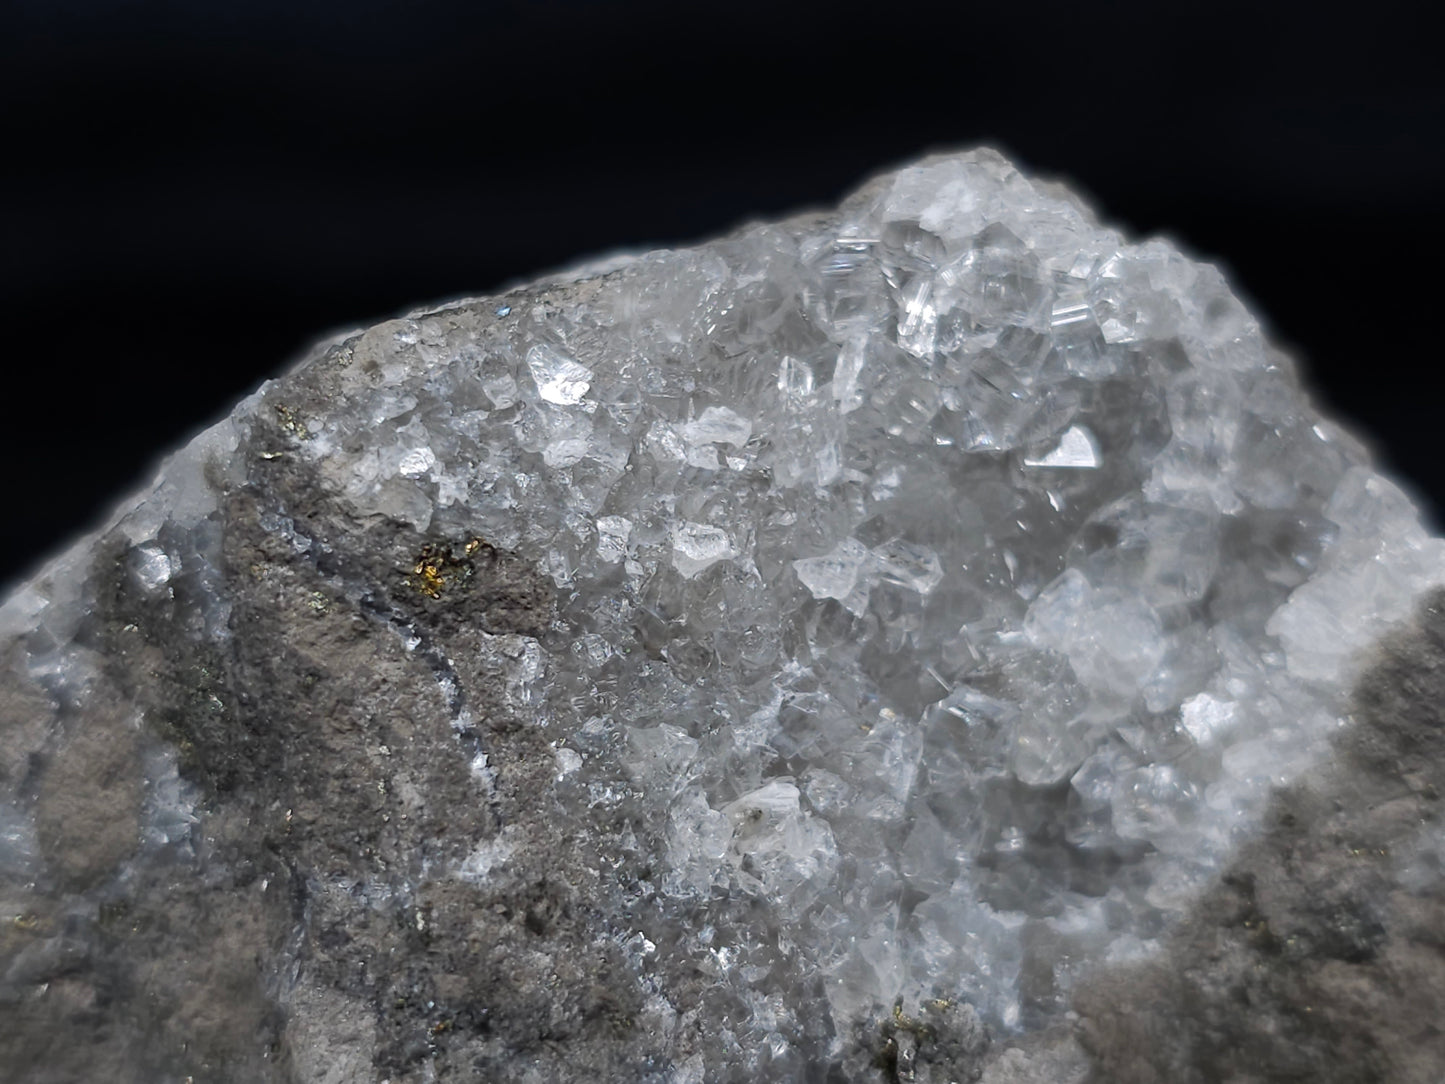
<point>846,651</point>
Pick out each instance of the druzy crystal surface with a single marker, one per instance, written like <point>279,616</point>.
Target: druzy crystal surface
<point>922,600</point>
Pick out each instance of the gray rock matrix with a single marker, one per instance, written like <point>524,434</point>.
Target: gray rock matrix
<point>929,640</point>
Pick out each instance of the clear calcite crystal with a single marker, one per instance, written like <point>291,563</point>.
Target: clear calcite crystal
<point>939,587</point>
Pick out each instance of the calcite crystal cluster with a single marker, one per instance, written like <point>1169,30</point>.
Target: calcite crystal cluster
<point>801,657</point>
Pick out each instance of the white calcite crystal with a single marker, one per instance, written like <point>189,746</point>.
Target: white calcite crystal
<point>941,585</point>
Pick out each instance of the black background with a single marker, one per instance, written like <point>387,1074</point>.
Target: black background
<point>192,192</point>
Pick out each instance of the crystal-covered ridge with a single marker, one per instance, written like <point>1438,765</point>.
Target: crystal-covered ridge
<point>937,587</point>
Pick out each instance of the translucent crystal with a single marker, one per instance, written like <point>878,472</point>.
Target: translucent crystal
<point>696,546</point>
<point>1076,449</point>
<point>417,462</point>
<point>835,574</point>
<point>612,535</point>
<point>559,379</point>
<point>153,567</point>
<point>718,425</point>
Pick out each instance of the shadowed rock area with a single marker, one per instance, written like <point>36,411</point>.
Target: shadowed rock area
<point>1320,954</point>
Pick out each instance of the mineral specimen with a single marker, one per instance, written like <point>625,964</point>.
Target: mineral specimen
<point>815,655</point>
